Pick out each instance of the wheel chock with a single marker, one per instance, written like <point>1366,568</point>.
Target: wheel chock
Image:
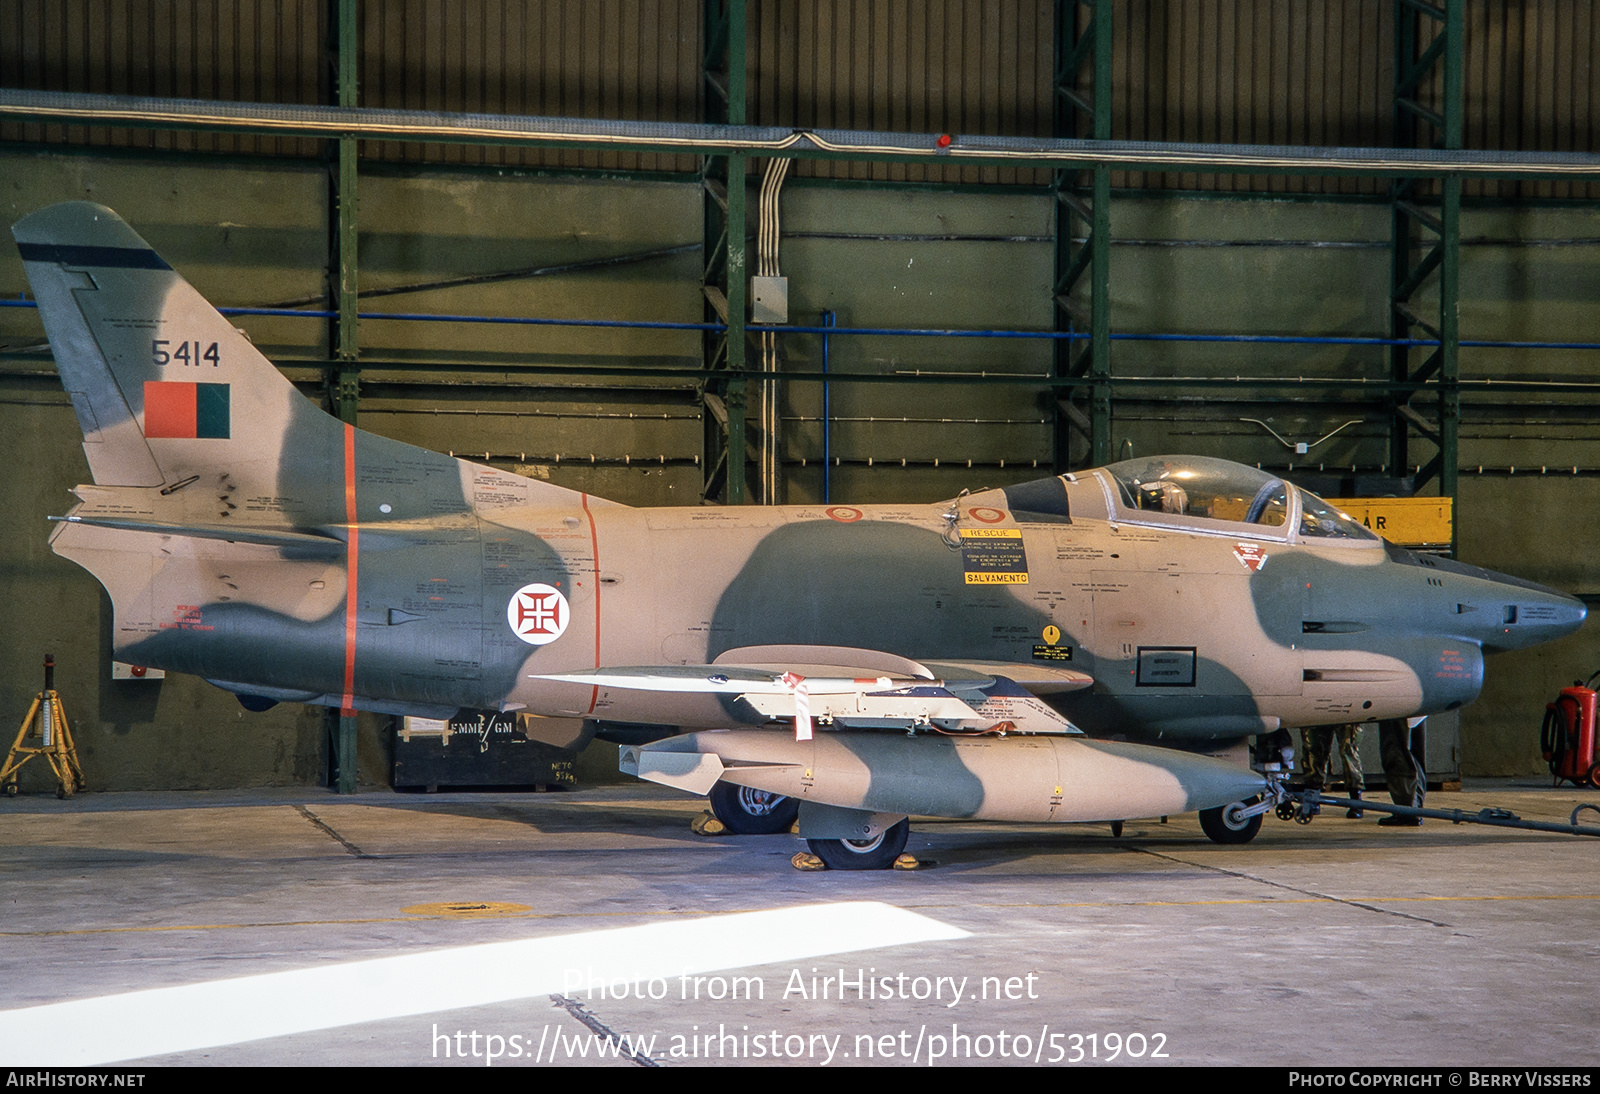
<point>707,824</point>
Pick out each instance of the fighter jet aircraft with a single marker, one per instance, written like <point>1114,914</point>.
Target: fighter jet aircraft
<point>870,662</point>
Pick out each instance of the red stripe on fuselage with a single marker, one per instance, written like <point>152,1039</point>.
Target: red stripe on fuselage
<point>594,551</point>
<point>352,555</point>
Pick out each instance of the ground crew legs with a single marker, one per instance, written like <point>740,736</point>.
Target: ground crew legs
<point>1402,748</point>
<point>1317,744</point>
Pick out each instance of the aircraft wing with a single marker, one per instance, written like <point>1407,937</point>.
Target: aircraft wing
<point>1040,679</point>
<point>822,684</point>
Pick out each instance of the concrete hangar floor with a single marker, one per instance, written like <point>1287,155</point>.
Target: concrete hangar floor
<point>592,927</point>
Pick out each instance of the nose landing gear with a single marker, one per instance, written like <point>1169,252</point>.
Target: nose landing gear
<point>1234,823</point>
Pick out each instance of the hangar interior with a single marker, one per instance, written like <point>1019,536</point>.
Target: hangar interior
<point>1428,333</point>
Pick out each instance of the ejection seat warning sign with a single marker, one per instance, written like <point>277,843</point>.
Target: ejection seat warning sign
<point>993,556</point>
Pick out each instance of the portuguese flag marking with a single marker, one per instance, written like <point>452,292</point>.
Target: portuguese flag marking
<point>173,409</point>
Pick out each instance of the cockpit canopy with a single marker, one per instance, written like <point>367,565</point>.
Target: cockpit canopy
<point>1219,490</point>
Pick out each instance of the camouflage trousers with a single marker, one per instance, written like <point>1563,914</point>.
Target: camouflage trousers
<point>1316,746</point>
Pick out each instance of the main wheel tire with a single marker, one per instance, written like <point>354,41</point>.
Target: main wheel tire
<point>1594,776</point>
<point>873,854</point>
<point>747,812</point>
<point>1223,825</point>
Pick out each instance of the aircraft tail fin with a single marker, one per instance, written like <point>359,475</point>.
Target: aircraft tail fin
<point>170,394</point>
<point>164,386</point>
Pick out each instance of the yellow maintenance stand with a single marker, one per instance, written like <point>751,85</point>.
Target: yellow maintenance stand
<point>46,723</point>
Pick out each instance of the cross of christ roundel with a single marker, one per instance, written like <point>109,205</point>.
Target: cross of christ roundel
<point>538,614</point>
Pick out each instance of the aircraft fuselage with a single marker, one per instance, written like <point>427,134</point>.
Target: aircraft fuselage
<point>1192,631</point>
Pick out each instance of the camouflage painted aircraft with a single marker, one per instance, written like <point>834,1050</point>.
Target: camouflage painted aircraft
<point>952,655</point>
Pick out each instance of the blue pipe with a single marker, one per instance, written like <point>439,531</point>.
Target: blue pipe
<point>828,331</point>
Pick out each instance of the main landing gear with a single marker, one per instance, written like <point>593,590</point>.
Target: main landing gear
<point>748,812</point>
<point>877,853</point>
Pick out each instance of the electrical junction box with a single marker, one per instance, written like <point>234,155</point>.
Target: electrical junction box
<point>769,300</point>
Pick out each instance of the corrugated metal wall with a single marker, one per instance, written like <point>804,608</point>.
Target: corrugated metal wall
<point>1314,72</point>
<point>944,66</point>
<point>1531,83</point>
<point>623,59</point>
<point>241,50</point>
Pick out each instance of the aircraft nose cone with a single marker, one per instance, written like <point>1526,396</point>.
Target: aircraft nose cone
<point>1504,612</point>
<point>1530,614</point>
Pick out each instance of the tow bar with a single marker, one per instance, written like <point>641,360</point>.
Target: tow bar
<point>1302,805</point>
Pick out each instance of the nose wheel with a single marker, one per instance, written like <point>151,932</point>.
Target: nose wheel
<point>1234,823</point>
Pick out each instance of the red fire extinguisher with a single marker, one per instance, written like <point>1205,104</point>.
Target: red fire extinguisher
<point>1567,738</point>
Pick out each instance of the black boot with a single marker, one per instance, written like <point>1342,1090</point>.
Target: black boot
<point>1394,820</point>
<point>1355,812</point>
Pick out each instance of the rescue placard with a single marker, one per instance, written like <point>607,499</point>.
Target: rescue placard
<point>993,556</point>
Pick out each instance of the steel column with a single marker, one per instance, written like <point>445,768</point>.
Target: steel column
<point>1428,47</point>
<point>344,383</point>
<point>344,380</point>
<point>1083,37</point>
<point>726,274</point>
